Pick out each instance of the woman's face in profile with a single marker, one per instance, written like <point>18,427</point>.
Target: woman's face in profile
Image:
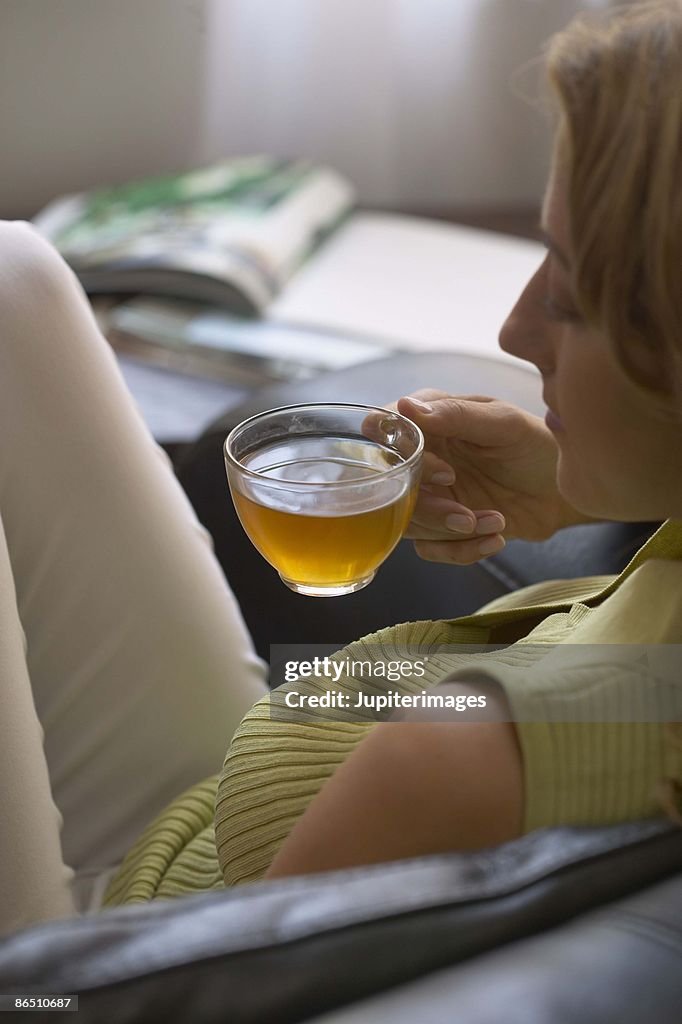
<point>619,458</point>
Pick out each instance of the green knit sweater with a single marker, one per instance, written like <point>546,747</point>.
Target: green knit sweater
<point>589,757</point>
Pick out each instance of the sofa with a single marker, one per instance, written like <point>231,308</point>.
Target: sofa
<point>565,926</point>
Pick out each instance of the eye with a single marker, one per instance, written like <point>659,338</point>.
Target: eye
<point>559,313</point>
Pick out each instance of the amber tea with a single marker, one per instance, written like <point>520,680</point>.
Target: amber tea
<point>326,539</point>
<point>326,509</point>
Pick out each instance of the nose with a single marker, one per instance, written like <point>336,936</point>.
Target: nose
<point>526,332</point>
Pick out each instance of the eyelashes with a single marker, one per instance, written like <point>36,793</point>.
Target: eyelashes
<point>559,314</point>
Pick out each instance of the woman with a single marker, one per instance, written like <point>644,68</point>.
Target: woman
<point>578,733</point>
<point>601,319</point>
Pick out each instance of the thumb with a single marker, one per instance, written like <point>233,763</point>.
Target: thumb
<point>475,418</point>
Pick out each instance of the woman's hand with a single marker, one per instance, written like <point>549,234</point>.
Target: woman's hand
<point>489,474</point>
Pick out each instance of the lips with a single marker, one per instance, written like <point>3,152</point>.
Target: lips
<point>551,418</point>
<point>553,422</point>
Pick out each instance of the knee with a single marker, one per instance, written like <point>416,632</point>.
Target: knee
<point>32,274</point>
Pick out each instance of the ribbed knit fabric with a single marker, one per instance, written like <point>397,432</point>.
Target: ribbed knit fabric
<point>585,772</point>
<point>175,855</point>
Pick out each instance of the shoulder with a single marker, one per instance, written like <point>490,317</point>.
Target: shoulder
<point>646,607</point>
<point>657,585</point>
<point>664,574</point>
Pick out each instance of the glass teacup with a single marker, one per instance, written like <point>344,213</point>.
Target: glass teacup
<point>325,491</point>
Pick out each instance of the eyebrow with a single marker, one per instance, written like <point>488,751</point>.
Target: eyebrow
<point>554,248</point>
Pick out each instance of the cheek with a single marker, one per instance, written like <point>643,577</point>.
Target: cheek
<point>605,450</point>
<point>589,397</point>
<point>591,444</point>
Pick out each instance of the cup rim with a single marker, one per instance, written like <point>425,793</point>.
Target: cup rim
<point>381,474</point>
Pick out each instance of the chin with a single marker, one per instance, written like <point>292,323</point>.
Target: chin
<point>622,505</point>
<point>589,497</point>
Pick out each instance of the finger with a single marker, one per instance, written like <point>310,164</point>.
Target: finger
<point>432,394</point>
<point>459,552</point>
<point>476,419</point>
<point>425,395</point>
<point>436,517</point>
<point>489,521</point>
<point>437,471</point>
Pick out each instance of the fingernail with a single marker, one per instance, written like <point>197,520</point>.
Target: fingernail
<point>443,479</point>
<point>489,524</point>
<point>491,545</point>
<point>422,406</point>
<point>459,524</point>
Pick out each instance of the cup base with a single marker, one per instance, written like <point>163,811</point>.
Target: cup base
<point>334,590</point>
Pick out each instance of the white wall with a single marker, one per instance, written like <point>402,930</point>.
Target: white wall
<point>303,76</point>
<point>95,91</point>
<point>411,98</point>
<point>463,132</point>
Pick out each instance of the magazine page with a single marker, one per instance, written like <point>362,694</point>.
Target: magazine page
<point>419,284</point>
<point>248,222</point>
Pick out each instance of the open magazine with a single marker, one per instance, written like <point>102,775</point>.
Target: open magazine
<point>232,234</point>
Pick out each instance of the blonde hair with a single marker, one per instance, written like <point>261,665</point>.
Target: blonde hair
<point>619,86</point>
